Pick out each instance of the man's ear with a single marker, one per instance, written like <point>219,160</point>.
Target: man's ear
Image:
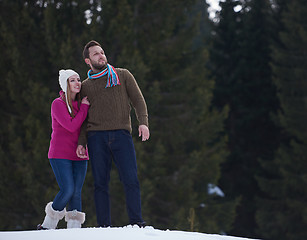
<point>87,61</point>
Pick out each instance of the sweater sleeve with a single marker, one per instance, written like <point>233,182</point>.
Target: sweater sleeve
<point>137,99</point>
<point>82,140</point>
<point>60,113</point>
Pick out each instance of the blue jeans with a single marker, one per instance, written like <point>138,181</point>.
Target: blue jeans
<point>103,146</point>
<point>70,176</point>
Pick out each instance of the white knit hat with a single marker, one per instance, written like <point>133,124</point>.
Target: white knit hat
<point>63,76</point>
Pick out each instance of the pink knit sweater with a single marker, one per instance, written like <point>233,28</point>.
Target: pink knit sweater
<point>66,130</point>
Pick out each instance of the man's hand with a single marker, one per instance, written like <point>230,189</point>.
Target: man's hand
<point>81,151</point>
<point>144,132</point>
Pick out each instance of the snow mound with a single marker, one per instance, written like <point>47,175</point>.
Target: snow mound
<point>114,233</point>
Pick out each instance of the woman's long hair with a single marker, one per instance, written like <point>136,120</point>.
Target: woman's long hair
<point>78,98</point>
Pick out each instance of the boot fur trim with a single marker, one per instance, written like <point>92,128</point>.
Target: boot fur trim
<point>54,214</point>
<point>75,215</point>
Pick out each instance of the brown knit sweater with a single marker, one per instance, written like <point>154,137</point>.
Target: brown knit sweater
<point>110,107</point>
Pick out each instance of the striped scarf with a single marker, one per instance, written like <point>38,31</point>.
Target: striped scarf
<point>113,78</point>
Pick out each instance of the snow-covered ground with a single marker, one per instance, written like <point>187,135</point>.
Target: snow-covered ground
<point>114,233</point>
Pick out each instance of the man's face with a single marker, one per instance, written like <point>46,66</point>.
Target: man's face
<point>97,59</point>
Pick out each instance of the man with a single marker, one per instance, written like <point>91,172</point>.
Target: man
<point>107,131</point>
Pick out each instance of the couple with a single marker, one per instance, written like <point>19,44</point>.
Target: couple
<point>104,113</point>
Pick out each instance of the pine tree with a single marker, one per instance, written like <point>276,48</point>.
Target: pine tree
<point>282,209</point>
<point>180,96</point>
<point>240,61</point>
<point>25,142</point>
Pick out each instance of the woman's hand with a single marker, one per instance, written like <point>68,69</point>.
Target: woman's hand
<point>81,152</point>
<point>85,101</point>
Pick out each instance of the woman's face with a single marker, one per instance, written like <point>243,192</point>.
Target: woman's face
<point>74,83</point>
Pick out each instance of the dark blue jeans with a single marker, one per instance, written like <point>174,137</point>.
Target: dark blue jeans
<point>70,176</point>
<point>103,146</point>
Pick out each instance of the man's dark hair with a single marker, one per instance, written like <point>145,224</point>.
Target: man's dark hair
<point>87,46</point>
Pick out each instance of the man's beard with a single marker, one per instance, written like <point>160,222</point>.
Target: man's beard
<point>98,66</point>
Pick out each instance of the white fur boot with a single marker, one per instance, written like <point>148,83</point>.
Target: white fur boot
<point>52,217</point>
<point>74,219</point>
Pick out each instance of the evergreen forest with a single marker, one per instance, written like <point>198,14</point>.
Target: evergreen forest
<point>227,107</point>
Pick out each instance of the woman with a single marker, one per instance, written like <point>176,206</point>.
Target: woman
<point>68,113</point>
